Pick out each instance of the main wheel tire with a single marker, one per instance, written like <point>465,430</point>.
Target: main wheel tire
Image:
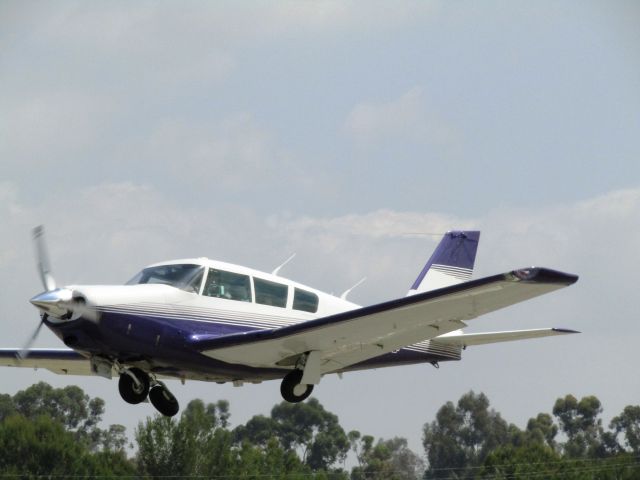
<point>163,400</point>
<point>130,391</point>
<point>291,388</point>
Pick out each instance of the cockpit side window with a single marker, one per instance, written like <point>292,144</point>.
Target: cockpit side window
<point>305,301</point>
<point>183,276</point>
<point>229,285</point>
<point>270,293</point>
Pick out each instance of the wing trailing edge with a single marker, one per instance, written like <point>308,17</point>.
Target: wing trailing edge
<point>464,340</point>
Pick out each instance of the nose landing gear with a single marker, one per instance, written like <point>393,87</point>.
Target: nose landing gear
<point>163,400</point>
<point>135,385</point>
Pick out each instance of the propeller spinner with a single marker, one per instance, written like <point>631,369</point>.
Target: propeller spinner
<point>61,303</point>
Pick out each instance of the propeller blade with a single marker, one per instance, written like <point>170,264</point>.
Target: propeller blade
<point>44,267</point>
<point>24,353</point>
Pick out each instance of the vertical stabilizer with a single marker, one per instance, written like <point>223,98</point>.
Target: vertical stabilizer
<point>451,262</point>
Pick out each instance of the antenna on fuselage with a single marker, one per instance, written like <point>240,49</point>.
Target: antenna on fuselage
<point>277,269</point>
<point>347,292</point>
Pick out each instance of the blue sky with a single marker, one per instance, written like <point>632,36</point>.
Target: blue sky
<point>140,132</point>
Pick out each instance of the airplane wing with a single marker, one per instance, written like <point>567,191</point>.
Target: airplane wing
<point>351,337</point>
<point>469,339</point>
<point>62,361</point>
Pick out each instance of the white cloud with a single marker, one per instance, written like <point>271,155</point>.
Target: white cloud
<point>235,22</point>
<point>382,223</point>
<point>51,127</point>
<point>235,154</point>
<point>198,37</point>
<point>405,119</point>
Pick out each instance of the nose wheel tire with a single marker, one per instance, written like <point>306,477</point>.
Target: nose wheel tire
<point>163,400</point>
<point>133,391</point>
<point>292,390</point>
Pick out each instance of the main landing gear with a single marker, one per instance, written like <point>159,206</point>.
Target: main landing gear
<point>135,386</point>
<point>292,390</point>
<point>298,384</point>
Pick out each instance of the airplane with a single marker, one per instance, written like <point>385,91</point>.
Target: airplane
<point>202,319</point>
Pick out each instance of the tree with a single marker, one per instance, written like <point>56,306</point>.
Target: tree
<point>462,436</point>
<point>7,407</point>
<point>41,446</point>
<point>580,423</point>
<point>200,444</point>
<point>304,427</point>
<point>628,425</point>
<point>536,459</point>
<point>70,406</point>
<point>542,430</point>
<point>259,430</point>
<point>165,449</point>
<point>38,446</point>
<point>387,460</point>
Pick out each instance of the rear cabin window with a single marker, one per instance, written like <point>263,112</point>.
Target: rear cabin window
<point>270,293</point>
<point>229,285</point>
<point>305,301</point>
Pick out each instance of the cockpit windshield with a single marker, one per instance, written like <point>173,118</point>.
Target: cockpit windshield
<point>183,276</point>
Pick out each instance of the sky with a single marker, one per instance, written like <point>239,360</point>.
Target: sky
<point>353,134</point>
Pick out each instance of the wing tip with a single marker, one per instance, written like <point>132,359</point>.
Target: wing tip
<point>565,330</point>
<point>544,275</point>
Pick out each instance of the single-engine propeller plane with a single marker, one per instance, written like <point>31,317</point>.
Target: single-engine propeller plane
<point>200,319</point>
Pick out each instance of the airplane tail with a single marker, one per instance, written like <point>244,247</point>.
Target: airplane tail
<point>451,262</point>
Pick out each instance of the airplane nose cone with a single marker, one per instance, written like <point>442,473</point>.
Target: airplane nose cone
<point>53,302</point>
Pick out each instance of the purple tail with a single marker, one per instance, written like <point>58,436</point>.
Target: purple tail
<point>451,262</point>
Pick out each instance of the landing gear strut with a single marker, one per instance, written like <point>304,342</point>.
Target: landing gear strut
<point>135,386</point>
<point>292,390</point>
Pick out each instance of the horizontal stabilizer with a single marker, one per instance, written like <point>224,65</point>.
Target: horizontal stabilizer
<point>467,339</point>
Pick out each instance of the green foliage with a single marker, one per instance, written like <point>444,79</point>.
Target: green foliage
<point>42,446</point>
<point>199,443</point>
<point>462,436</point>
<point>580,423</point>
<point>54,431</point>
<point>7,407</point>
<point>508,462</point>
<point>628,425</point>
<point>303,427</point>
<point>388,459</point>
<point>542,430</point>
<point>48,431</point>
<point>71,407</point>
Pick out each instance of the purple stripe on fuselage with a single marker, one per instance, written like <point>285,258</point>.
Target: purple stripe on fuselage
<point>164,343</point>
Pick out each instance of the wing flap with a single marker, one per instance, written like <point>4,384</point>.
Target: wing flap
<point>358,335</point>
<point>471,339</point>
<point>57,360</point>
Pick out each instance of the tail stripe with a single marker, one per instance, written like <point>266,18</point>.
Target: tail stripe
<point>463,273</point>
